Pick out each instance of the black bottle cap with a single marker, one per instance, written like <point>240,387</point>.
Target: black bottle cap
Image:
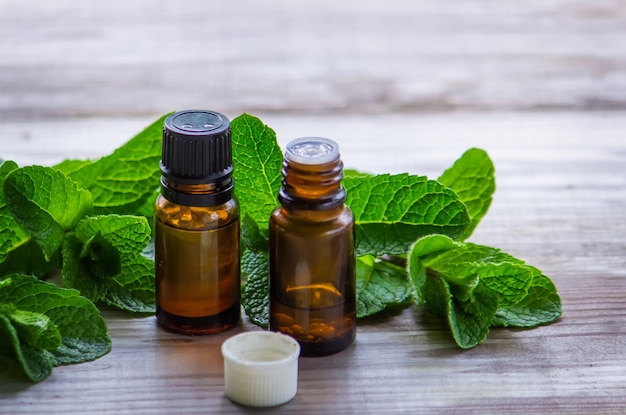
<point>197,147</point>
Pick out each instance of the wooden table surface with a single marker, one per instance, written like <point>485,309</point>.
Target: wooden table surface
<point>402,86</point>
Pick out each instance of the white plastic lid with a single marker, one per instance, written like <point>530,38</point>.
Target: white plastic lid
<point>261,368</point>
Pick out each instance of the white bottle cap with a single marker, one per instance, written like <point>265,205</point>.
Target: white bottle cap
<point>261,368</point>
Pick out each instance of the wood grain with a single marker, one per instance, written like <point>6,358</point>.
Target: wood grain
<point>559,205</point>
<point>402,86</point>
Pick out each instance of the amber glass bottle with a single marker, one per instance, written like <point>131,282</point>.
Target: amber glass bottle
<point>197,226</point>
<point>312,264</point>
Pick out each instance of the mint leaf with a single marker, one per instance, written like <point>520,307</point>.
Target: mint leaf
<point>77,320</point>
<point>12,235</point>
<point>35,329</point>
<point>542,305</point>
<point>255,268</point>
<point>134,290</point>
<point>379,284</point>
<point>392,211</point>
<point>470,321</point>
<point>122,181</point>
<point>504,274</point>
<point>76,272</point>
<point>103,260</point>
<point>477,286</point>
<point>258,163</point>
<point>29,259</point>
<point>255,292</point>
<point>70,166</point>
<point>472,177</point>
<point>510,281</point>
<point>436,293</point>
<point>254,238</point>
<point>46,203</point>
<point>37,364</point>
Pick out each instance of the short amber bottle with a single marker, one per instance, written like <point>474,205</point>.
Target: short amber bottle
<point>312,263</point>
<point>197,226</point>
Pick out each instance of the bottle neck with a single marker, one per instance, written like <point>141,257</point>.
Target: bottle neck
<point>198,194</point>
<point>312,186</point>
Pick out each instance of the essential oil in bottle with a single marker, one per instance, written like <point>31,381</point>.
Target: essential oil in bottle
<point>197,226</point>
<point>312,263</point>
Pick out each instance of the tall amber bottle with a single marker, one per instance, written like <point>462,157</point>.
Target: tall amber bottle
<point>312,263</point>
<point>197,226</point>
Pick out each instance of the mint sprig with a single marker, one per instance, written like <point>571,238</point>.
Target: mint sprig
<point>52,223</point>
<point>90,220</point>
<point>109,249</point>
<point>474,287</point>
<point>43,326</point>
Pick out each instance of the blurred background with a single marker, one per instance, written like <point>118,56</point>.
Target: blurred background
<point>78,78</point>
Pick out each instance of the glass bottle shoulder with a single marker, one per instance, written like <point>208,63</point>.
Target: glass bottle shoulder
<point>196,217</point>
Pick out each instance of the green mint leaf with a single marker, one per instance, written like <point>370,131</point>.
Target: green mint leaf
<point>255,239</point>
<point>391,211</point>
<point>28,258</point>
<point>258,163</point>
<point>255,269</point>
<point>12,235</point>
<point>122,181</point>
<point>36,364</point>
<point>479,286</point>
<point>470,322</point>
<point>510,281</point>
<point>379,285</point>
<point>70,166</point>
<point>461,263</point>
<point>18,251</point>
<point>428,245</point>
<point>457,261</point>
<point>135,286</point>
<point>472,178</point>
<point>76,272</point>
<point>542,305</point>
<point>46,203</point>
<point>82,329</point>
<point>147,208</point>
<point>103,260</point>
<point>435,292</point>
<point>35,329</point>
<point>255,292</point>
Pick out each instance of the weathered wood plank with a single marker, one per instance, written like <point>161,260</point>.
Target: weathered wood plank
<point>559,205</point>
